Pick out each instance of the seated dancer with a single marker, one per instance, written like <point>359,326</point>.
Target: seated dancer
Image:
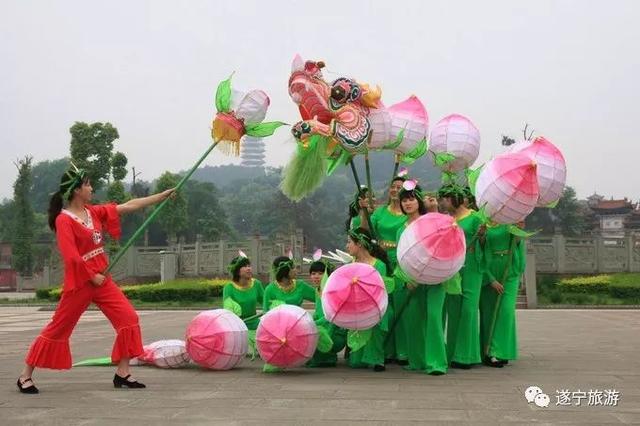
<point>365,249</point>
<point>426,348</point>
<point>285,288</point>
<point>506,261</point>
<point>242,295</point>
<point>319,270</point>
<point>79,227</point>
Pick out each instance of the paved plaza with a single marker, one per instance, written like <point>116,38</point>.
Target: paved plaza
<point>573,350</point>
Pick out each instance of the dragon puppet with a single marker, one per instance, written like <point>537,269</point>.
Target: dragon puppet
<point>344,118</point>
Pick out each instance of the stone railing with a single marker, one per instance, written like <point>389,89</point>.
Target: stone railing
<point>586,255</point>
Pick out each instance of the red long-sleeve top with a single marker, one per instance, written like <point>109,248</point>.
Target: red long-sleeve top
<point>81,244</point>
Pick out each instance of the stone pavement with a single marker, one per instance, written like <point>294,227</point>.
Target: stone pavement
<point>577,350</point>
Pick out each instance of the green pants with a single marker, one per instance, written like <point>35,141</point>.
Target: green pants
<point>463,340</point>
<point>426,349</point>
<point>504,341</point>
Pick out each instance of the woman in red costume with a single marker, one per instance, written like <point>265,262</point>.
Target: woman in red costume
<point>78,227</point>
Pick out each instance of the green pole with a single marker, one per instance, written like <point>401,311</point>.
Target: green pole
<point>157,210</point>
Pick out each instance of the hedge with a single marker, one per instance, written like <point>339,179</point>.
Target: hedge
<point>180,290</point>
<point>625,286</point>
<point>590,285</point>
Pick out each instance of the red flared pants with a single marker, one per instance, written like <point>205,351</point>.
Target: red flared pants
<point>51,348</point>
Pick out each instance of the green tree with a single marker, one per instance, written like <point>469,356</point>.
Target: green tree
<point>119,166</point>
<point>207,217</point>
<point>46,180</point>
<point>173,217</point>
<point>6,220</point>
<point>567,216</point>
<point>24,219</point>
<point>116,192</point>
<point>92,149</point>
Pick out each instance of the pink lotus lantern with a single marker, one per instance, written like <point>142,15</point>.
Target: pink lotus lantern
<point>551,168</point>
<point>165,354</point>
<point>432,249</point>
<point>508,188</point>
<point>354,297</point>
<point>409,117</point>
<point>287,336</point>
<point>217,339</point>
<point>456,135</point>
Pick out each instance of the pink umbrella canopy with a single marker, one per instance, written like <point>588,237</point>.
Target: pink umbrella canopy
<point>355,297</point>
<point>457,135</point>
<point>551,168</point>
<point>166,354</point>
<point>287,336</point>
<point>217,339</point>
<point>508,188</point>
<point>432,249</point>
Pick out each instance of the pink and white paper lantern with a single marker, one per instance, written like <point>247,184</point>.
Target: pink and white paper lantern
<point>431,249</point>
<point>457,135</point>
<point>551,168</point>
<point>508,188</point>
<point>217,339</point>
<point>166,354</point>
<point>355,297</point>
<point>287,336</point>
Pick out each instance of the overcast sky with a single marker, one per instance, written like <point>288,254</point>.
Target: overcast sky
<point>571,69</point>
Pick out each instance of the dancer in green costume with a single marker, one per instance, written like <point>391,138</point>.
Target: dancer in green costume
<point>463,340</point>
<point>319,272</point>
<point>360,201</point>
<point>364,249</point>
<point>386,220</point>
<point>506,260</point>
<point>244,291</point>
<point>426,348</point>
<point>286,288</point>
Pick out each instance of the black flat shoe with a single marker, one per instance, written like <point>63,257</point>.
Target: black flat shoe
<point>402,362</point>
<point>124,382</point>
<point>30,389</point>
<point>490,363</point>
<point>460,366</point>
<point>436,373</point>
<point>379,368</point>
<point>503,361</point>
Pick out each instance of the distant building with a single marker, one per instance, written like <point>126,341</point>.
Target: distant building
<point>252,152</point>
<point>614,218</point>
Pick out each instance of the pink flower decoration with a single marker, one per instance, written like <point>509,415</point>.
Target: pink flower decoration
<point>355,297</point>
<point>286,337</point>
<point>217,339</point>
<point>432,249</point>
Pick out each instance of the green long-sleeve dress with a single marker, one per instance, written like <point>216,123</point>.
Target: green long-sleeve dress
<point>247,297</point>
<point>299,292</point>
<point>372,353</point>
<point>426,349</point>
<point>463,340</point>
<point>500,244</point>
<point>385,227</point>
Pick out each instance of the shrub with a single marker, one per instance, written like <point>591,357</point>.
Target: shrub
<point>195,290</point>
<point>556,296</point>
<point>586,285</point>
<point>625,286</point>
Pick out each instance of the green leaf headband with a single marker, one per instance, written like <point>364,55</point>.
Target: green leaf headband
<point>75,177</point>
<point>411,186</point>
<point>284,264</point>
<point>235,263</point>
<point>363,239</point>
